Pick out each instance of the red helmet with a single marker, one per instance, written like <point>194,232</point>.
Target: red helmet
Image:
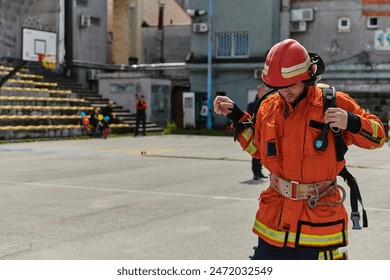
<point>287,63</point>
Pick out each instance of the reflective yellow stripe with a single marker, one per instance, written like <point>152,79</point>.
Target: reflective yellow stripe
<point>336,255</point>
<point>375,127</point>
<point>330,239</point>
<point>247,133</point>
<point>304,239</point>
<point>269,233</point>
<point>251,148</point>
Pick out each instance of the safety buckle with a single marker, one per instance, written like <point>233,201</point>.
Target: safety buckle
<point>355,217</point>
<point>294,190</point>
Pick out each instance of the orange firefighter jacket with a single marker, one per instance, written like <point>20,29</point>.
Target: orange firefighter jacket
<point>283,138</point>
<point>141,105</point>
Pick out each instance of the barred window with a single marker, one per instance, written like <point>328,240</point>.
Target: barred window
<point>82,3</point>
<point>232,44</point>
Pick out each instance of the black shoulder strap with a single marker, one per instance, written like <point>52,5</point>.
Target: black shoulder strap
<point>329,97</point>
<point>238,127</point>
<point>329,100</point>
<point>261,99</point>
<point>355,197</point>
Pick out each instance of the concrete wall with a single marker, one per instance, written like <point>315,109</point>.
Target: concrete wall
<point>15,14</point>
<point>90,42</point>
<point>233,76</point>
<point>123,89</point>
<point>256,16</point>
<point>355,46</point>
<point>176,43</point>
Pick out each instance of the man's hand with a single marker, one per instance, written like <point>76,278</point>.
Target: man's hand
<point>222,104</point>
<point>336,117</point>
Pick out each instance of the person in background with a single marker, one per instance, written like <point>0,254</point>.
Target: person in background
<point>256,163</point>
<point>141,105</point>
<point>96,124</point>
<point>108,118</point>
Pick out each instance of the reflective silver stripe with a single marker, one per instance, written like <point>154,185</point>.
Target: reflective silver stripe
<point>306,239</point>
<point>295,70</point>
<point>247,133</point>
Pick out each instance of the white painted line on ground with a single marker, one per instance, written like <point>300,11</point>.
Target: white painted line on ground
<point>151,192</point>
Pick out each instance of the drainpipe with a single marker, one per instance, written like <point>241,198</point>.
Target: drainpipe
<point>209,69</point>
<point>68,37</point>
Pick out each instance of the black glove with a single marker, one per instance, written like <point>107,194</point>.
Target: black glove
<point>236,113</point>
<point>354,124</point>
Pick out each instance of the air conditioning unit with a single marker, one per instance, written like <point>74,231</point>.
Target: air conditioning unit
<point>302,14</point>
<point>200,27</point>
<point>93,75</point>
<point>84,21</point>
<point>298,26</point>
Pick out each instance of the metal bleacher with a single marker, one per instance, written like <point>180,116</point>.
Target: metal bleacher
<point>34,106</point>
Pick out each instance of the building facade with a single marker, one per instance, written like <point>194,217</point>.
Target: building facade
<point>353,37</point>
<point>241,34</point>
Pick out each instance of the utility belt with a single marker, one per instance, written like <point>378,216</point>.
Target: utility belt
<point>310,192</point>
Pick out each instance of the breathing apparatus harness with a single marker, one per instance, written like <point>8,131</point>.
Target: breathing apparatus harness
<point>321,144</point>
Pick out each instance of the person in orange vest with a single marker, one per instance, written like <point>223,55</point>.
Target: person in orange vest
<point>301,214</point>
<point>141,105</point>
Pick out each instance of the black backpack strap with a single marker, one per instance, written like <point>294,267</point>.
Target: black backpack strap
<point>355,197</point>
<point>329,97</point>
<point>261,99</point>
<point>239,127</point>
<point>329,100</point>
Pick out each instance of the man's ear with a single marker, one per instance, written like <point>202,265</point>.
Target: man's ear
<point>314,68</point>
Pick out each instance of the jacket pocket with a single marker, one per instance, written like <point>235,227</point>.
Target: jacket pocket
<point>312,132</point>
<point>270,137</point>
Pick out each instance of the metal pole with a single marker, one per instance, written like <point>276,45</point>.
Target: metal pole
<point>209,69</point>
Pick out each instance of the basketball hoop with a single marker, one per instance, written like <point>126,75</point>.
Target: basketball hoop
<point>48,60</point>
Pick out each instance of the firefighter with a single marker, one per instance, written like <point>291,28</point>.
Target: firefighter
<point>301,214</point>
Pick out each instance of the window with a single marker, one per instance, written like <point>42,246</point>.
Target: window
<point>95,21</point>
<point>232,44</point>
<point>344,24</point>
<point>82,3</point>
<point>372,22</point>
<point>122,88</point>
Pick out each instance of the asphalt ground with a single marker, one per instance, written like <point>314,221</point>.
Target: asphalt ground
<point>186,198</point>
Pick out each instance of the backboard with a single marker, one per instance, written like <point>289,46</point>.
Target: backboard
<point>38,45</point>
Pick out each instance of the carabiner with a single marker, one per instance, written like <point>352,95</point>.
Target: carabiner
<point>313,200</point>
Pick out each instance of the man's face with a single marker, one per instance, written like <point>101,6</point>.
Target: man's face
<point>292,93</point>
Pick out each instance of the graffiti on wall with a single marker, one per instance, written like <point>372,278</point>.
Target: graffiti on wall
<point>15,14</point>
